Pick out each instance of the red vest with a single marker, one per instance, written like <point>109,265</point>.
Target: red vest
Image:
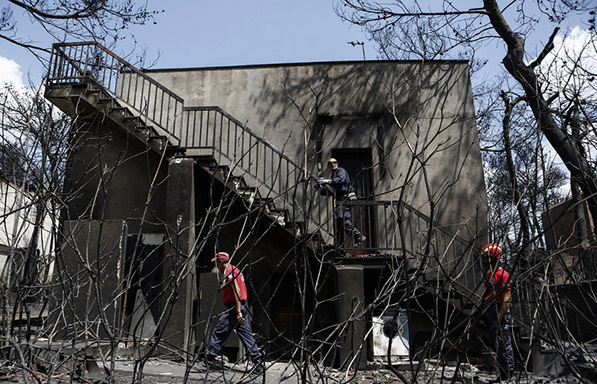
<point>497,285</point>
<point>233,273</point>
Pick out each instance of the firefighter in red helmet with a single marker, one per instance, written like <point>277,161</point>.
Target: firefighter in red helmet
<point>497,301</point>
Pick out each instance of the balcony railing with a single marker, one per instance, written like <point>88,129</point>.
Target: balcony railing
<point>398,228</point>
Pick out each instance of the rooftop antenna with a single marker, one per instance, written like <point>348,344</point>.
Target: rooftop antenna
<point>354,43</point>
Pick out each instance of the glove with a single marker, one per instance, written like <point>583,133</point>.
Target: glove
<point>324,181</point>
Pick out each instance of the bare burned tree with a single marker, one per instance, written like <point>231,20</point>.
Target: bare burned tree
<point>522,183</point>
<point>32,170</point>
<point>96,20</point>
<point>407,30</point>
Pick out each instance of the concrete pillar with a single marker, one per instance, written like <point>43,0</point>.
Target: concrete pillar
<point>180,217</point>
<point>352,342</point>
<point>97,245</point>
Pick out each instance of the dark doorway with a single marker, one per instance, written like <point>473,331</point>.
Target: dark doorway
<point>358,164</point>
<point>143,276</point>
<point>286,315</point>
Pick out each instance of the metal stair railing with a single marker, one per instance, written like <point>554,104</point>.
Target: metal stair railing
<point>278,176</point>
<point>77,63</point>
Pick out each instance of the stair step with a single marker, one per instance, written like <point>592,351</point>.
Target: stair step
<point>204,160</point>
<point>282,211</point>
<point>175,150</point>
<point>266,202</point>
<point>224,170</point>
<point>279,215</point>
<point>294,224</point>
<point>280,220</point>
<point>247,190</point>
<point>79,86</point>
<point>238,181</point>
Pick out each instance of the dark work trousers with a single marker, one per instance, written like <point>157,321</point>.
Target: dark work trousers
<point>344,225</point>
<point>500,339</point>
<point>226,325</point>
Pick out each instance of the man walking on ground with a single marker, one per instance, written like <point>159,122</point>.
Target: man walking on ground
<point>340,183</point>
<point>498,298</point>
<point>235,316</point>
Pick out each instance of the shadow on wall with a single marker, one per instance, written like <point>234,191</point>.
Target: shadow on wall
<point>423,108</point>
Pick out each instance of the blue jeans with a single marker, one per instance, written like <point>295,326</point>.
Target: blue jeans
<point>345,226</point>
<point>500,339</point>
<point>226,325</point>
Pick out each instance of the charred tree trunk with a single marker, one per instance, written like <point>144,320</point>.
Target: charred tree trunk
<point>579,213</point>
<point>562,142</point>
<point>516,195</point>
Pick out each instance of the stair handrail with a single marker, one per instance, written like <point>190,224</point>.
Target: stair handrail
<point>308,175</point>
<point>210,127</point>
<point>111,74</point>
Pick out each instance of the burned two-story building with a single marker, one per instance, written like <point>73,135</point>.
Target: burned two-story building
<point>169,166</point>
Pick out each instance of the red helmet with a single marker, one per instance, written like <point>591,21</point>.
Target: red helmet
<point>492,250</point>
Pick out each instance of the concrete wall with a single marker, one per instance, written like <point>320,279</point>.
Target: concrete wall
<point>91,262</point>
<point>111,175</point>
<point>561,227</point>
<point>116,187</point>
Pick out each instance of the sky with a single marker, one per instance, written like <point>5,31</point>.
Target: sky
<point>206,33</point>
<point>203,33</point>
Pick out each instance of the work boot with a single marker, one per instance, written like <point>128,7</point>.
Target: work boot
<point>258,366</point>
<point>217,361</point>
<point>359,241</point>
<point>258,369</point>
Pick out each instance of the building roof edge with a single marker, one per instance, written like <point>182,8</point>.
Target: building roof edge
<point>301,64</point>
